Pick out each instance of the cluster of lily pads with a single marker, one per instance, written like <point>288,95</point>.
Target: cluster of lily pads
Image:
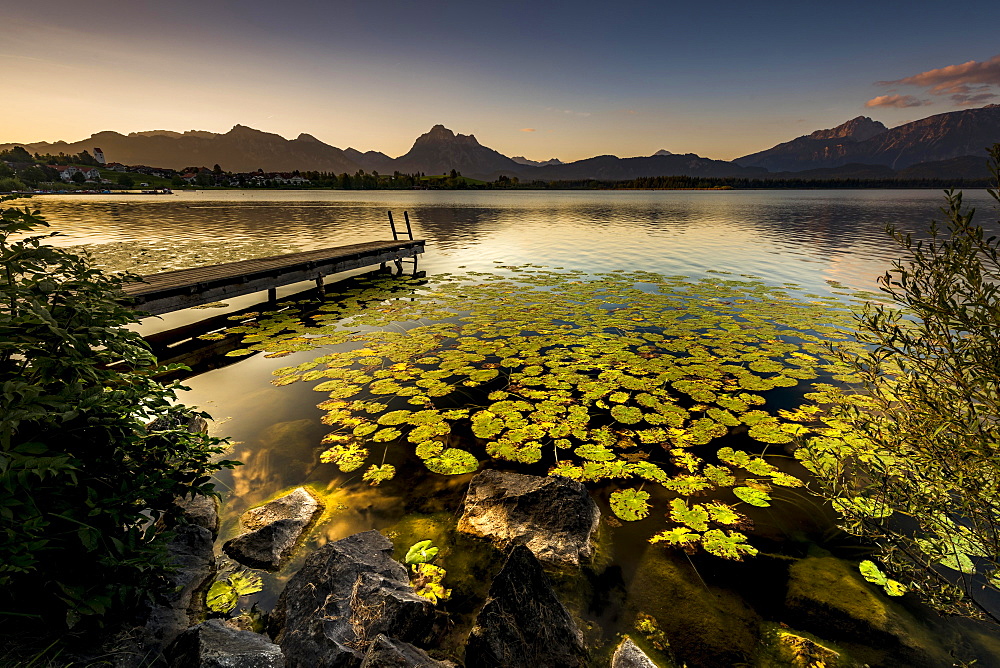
<point>632,378</point>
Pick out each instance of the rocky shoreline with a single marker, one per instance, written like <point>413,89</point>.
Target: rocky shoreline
<point>352,605</point>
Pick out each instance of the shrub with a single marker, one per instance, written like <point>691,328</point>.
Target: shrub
<point>82,479</point>
<point>912,463</point>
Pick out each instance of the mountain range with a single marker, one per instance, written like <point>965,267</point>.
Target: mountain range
<point>945,145</point>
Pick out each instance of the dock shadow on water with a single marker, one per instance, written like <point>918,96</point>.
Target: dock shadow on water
<point>677,401</point>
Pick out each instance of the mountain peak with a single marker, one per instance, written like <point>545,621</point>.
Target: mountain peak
<point>662,151</point>
<point>858,129</point>
<point>439,134</point>
<point>307,137</point>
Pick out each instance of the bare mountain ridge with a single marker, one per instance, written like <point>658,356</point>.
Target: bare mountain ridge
<point>815,150</point>
<point>937,138</point>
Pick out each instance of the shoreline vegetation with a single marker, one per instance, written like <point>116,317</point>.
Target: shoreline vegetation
<point>673,183</point>
<point>23,173</point>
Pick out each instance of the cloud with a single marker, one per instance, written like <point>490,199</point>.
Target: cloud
<point>966,84</point>
<point>899,101</point>
<point>966,100</point>
<point>527,129</point>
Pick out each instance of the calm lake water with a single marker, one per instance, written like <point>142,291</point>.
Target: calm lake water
<point>810,238</point>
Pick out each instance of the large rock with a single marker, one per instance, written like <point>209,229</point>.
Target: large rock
<point>276,528</point>
<point>523,623</point>
<point>191,553</point>
<point>298,505</point>
<point>267,547</point>
<point>385,652</point>
<point>628,655</point>
<point>212,644</point>
<point>343,597</point>
<point>200,510</point>
<point>554,517</point>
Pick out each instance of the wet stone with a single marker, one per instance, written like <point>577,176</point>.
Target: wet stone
<point>385,652</point>
<point>554,517</point>
<point>523,622</point>
<point>298,505</point>
<point>212,644</point>
<point>276,528</point>
<point>345,595</point>
<point>628,655</point>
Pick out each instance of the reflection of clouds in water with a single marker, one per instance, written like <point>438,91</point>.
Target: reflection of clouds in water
<point>285,451</point>
<point>356,508</point>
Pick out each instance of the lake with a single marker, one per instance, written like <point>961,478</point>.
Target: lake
<point>821,241</point>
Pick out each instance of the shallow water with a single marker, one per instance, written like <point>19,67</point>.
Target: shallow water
<point>822,241</point>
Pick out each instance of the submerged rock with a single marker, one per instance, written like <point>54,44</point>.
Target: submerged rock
<point>801,652</point>
<point>523,622</point>
<point>554,517</point>
<point>701,626</point>
<point>628,655</point>
<point>385,652</point>
<point>275,529</point>
<point>345,595</point>
<point>829,597</point>
<point>212,644</point>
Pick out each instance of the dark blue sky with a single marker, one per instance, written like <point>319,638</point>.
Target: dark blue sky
<point>554,79</point>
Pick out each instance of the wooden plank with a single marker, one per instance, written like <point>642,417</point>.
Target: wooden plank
<point>184,288</point>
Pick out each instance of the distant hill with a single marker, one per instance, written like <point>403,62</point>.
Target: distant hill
<point>371,161</point>
<point>612,168</point>
<point>521,160</point>
<point>242,149</point>
<point>937,138</point>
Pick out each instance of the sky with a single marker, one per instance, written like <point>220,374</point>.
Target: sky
<point>565,80</point>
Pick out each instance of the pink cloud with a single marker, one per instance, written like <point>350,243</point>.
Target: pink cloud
<point>965,83</point>
<point>899,101</point>
<point>944,79</point>
<point>527,129</point>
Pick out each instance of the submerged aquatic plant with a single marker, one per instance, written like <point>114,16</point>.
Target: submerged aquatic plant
<point>224,594</point>
<point>631,377</point>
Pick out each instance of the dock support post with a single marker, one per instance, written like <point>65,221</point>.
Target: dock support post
<point>321,287</point>
<point>272,295</point>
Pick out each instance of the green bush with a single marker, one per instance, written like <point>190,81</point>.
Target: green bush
<point>912,463</point>
<point>82,478</point>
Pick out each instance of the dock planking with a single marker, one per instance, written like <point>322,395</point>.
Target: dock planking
<point>184,288</point>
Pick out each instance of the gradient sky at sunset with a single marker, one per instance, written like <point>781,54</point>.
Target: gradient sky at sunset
<point>540,79</point>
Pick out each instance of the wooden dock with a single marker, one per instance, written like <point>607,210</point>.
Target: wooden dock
<point>175,290</point>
